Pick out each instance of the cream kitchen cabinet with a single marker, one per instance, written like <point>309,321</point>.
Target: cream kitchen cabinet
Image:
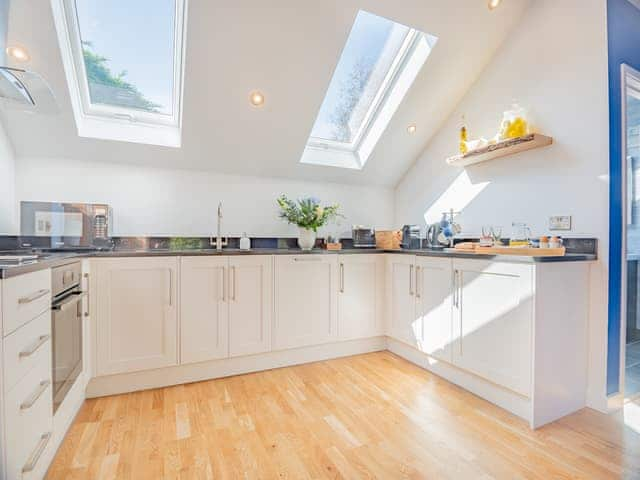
<point>204,308</point>
<point>226,305</point>
<point>402,324</point>
<point>475,314</point>
<point>250,304</point>
<point>360,296</point>
<point>420,303</point>
<point>433,293</point>
<point>306,300</point>
<point>136,314</point>
<point>493,321</point>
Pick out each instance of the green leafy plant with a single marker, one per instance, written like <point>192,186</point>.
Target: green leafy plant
<point>99,74</point>
<point>307,212</point>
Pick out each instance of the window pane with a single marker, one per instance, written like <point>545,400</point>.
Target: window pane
<point>372,47</point>
<point>128,49</point>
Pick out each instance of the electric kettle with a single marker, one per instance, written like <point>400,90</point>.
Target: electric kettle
<point>433,231</point>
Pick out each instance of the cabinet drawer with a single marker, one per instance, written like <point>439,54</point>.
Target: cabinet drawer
<point>25,348</point>
<point>24,298</point>
<point>29,419</point>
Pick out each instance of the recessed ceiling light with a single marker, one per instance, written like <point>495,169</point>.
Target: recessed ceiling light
<point>494,4</point>
<point>412,129</point>
<point>256,98</point>
<point>18,53</point>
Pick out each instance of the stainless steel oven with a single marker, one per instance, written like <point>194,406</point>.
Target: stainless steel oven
<point>66,328</point>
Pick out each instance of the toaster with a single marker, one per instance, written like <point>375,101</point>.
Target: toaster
<point>363,237</point>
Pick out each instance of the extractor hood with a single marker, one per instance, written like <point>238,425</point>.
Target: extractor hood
<point>26,91</point>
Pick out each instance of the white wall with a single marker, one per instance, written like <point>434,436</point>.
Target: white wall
<point>150,201</point>
<point>8,216</point>
<point>554,63</point>
<point>8,224</point>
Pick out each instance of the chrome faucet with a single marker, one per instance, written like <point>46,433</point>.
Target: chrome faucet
<point>220,242</point>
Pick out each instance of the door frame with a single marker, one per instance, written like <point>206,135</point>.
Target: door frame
<point>626,71</point>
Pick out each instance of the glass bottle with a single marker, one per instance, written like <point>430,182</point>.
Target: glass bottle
<point>463,138</point>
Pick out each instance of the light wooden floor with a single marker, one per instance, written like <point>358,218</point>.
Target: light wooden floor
<point>369,416</point>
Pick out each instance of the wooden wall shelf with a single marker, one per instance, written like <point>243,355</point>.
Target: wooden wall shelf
<point>501,149</point>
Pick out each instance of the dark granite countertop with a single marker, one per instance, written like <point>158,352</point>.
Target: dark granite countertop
<point>48,260</point>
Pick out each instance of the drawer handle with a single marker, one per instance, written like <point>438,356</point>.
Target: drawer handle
<point>37,453</point>
<point>31,401</point>
<point>310,259</point>
<point>34,348</point>
<point>33,297</point>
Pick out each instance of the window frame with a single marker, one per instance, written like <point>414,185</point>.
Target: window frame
<point>353,152</point>
<point>115,122</point>
<point>388,83</point>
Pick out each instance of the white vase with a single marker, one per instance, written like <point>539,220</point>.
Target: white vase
<point>306,239</point>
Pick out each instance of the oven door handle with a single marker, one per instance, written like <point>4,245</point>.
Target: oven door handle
<point>69,302</point>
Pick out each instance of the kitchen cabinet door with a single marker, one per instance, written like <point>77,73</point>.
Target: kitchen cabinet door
<point>306,290</point>
<point>204,309</point>
<point>434,280</point>
<point>136,315</point>
<point>360,293</point>
<point>404,324</point>
<point>493,318</point>
<point>250,304</point>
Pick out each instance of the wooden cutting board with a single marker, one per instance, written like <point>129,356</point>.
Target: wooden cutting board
<point>522,251</point>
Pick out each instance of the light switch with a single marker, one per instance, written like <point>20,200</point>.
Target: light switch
<point>560,222</point>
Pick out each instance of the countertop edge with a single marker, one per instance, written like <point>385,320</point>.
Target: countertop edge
<point>62,258</point>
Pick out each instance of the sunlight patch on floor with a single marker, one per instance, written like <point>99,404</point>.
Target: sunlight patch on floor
<point>632,416</point>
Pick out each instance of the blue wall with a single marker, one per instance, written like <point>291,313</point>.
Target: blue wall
<point>623,29</point>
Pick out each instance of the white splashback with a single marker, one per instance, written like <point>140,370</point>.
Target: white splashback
<point>148,201</point>
<point>8,215</point>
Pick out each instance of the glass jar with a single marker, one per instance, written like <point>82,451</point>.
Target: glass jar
<point>515,123</point>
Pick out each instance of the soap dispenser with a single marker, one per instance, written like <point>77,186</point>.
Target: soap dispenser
<point>245,242</point>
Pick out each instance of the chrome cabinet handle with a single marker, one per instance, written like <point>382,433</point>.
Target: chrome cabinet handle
<point>88,312</point>
<point>33,297</point>
<point>31,401</point>
<point>67,304</point>
<point>34,348</point>
<point>341,277</point>
<point>310,259</point>
<point>170,288</point>
<point>224,284</point>
<point>37,453</point>
<point>411,280</point>
<point>455,287</point>
<point>418,268</point>
<point>233,284</point>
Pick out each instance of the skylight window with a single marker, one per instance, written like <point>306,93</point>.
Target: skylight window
<point>124,66</point>
<point>379,62</point>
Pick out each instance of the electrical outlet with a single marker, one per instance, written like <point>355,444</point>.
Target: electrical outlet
<point>560,222</point>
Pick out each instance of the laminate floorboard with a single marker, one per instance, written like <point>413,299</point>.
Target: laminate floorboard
<point>366,416</point>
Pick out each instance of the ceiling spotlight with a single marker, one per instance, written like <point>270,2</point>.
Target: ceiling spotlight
<point>18,53</point>
<point>411,129</point>
<point>494,4</point>
<point>256,98</point>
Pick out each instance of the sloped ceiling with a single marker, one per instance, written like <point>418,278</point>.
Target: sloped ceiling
<point>288,49</point>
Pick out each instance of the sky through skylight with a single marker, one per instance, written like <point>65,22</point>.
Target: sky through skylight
<point>372,46</point>
<point>136,40</point>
